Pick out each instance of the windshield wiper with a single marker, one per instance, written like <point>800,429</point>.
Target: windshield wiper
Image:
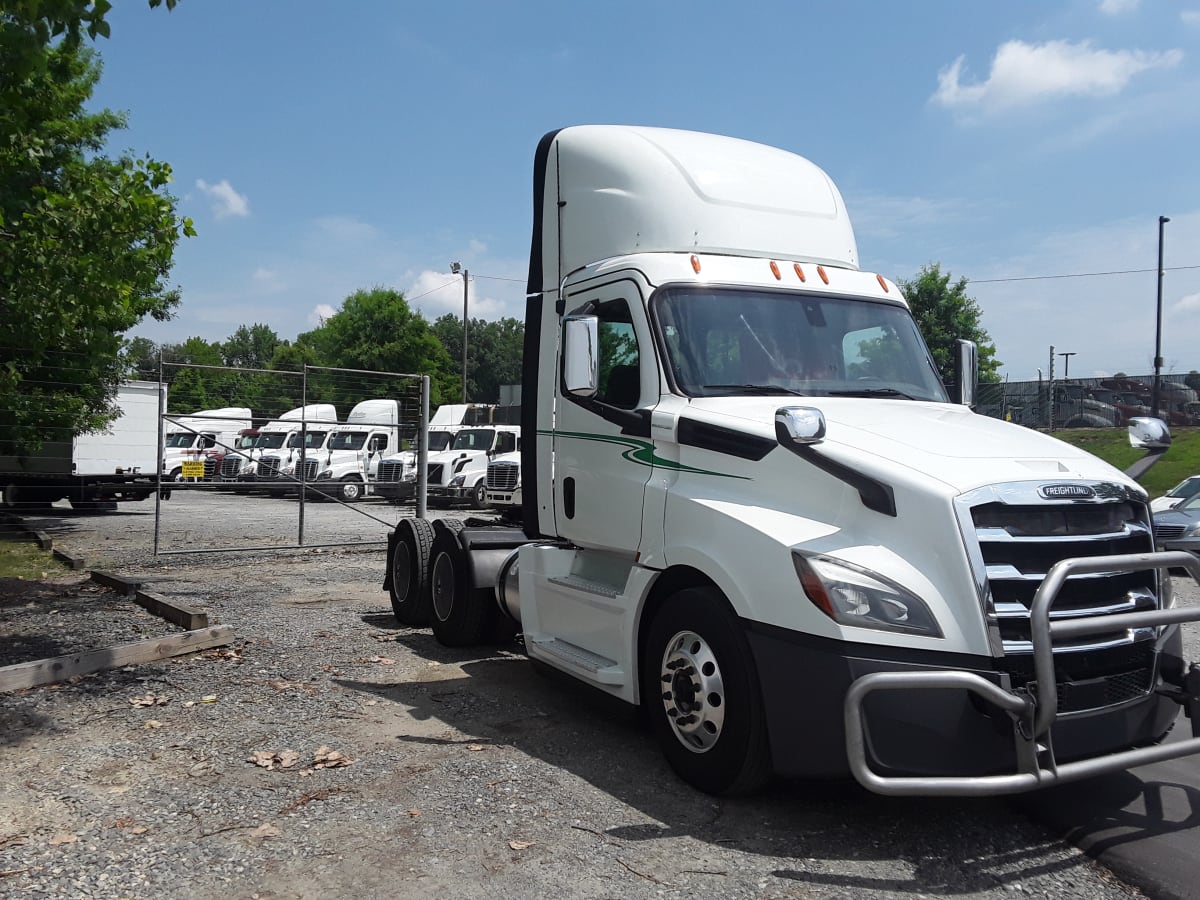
<point>755,389</point>
<point>872,392</point>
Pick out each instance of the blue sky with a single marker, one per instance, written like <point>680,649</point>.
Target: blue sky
<point>322,148</point>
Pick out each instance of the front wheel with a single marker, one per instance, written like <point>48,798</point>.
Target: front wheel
<point>479,496</point>
<point>351,489</point>
<point>700,689</point>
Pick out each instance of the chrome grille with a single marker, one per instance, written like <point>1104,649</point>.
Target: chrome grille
<point>210,467</point>
<point>503,476</point>
<point>310,469</point>
<point>231,466</point>
<point>1168,532</point>
<point>268,467</point>
<point>1020,535</point>
<point>391,470</point>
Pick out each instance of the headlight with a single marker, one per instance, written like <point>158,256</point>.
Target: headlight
<point>1192,530</point>
<point>457,480</point>
<point>851,595</point>
<point>328,473</point>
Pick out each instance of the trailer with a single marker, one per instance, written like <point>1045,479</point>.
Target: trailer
<point>89,470</point>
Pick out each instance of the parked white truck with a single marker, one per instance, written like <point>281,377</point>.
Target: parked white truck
<point>751,508</point>
<point>503,484</point>
<point>397,475</point>
<point>90,469</point>
<point>185,438</point>
<point>280,444</point>
<point>348,465</point>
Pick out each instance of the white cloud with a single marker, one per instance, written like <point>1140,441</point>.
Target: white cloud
<point>1118,7</point>
<point>344,229</point>
<point>1190,17</point>
<point>477,248</point>
<point>1025,74</point>
<point>1187,305</point>
<point>320,313</point>
<point>225,200</point>
<point>436,293</point>
<point>887,217</point>
<point>268,280</point>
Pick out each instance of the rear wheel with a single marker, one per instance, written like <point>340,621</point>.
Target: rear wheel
<point>410,572</point>
<point>460,614</point>
<point>701,692</point>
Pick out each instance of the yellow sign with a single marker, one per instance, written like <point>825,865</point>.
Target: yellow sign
<point>193,470</point>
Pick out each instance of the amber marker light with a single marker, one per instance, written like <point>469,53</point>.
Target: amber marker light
<point>775,270</point>
<point>799,271</point>
<point>695,264</point>
<point>821,272</point>
<point>882,283</point>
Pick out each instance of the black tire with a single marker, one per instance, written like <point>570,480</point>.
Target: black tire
<point>460,615</point>
<point>176,474</point>
<point>479,495</point>
<point>350,489</point>
<point>408,565</point>
<point>702,696</point>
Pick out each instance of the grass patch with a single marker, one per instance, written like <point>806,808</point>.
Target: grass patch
<point>23,559</point>
<point>1112,446</point>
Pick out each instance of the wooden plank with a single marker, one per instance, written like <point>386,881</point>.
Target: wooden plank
<point>116,582</point>
<point>60,668</point>
<point>175,613</point>
<point>44,541</point>
<point>74,562</point>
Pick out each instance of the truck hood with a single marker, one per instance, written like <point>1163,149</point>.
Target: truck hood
<point>941,441</point>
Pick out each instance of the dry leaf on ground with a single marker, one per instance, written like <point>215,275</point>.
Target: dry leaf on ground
<point>328,758</point>
<point>520,845</point>
<point>273,759</point>
<point>266,830</point>
<point>152,723</point>
<point>63,839</point>
<point>149,700</point>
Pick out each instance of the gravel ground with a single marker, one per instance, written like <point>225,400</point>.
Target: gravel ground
<point>224,773</point>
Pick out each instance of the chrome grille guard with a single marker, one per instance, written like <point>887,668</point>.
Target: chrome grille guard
<point>1034,714</point>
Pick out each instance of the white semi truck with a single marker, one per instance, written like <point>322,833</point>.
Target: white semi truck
<point>751,508</point>
<point>397,475</point>
<point>281,443</point>
<point>348,465</point>
<point>92,469</point>
<point>186,438</point>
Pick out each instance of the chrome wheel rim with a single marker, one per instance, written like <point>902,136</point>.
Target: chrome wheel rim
<point>693,693</point>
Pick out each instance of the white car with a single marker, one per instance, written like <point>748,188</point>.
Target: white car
<point>1185,490</point>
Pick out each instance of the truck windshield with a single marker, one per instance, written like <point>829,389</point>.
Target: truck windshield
<point>348,440</point>
<point>272,440</point>
<point>439,440</point>
<point>246,441</point>
<point>180,439</point>
<point>474,439</point>
<point>723,342</point>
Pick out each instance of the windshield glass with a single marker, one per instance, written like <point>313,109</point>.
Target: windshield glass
<point>439,440</point>
<point>271,440</point>
<point>1186,488</point>
<point>245,442</point>
<point>314,438</point>
<point>180,439</point>
<point>736,341</point>
<point>474,439</point>
<point>348,440</point>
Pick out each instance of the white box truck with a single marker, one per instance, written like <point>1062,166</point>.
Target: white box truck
<point>187,437</point>
<point>751,508</point>
<point>112,465</point>
<point>346,469</point>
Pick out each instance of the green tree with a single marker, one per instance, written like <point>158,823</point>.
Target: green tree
<point>494,353</point>
<point>86,241</point>
<point>250,348</point>
<point>944,313</point>
<point>376,330</point>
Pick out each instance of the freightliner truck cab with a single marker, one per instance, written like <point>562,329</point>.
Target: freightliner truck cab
<point>751,507</point>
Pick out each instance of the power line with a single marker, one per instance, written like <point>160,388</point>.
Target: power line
<point>1077,275</point>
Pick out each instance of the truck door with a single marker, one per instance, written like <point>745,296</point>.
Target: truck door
<point>602,451</point>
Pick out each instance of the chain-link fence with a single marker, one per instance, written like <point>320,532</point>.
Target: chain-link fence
<point>1092,402</point>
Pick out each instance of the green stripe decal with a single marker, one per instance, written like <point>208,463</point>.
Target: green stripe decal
<point>639,452</point>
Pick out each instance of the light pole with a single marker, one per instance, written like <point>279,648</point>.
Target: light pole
<point>1067,363</point>
<point>456,268</point>
<point>1162,220</point>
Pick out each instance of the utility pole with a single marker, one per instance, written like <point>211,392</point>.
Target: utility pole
<point>457,268</point>
<point>1158,360</point>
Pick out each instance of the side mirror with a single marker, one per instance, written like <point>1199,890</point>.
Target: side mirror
<point>799,425</point>
<point>1146,433</point>
<point>966,372</point>
<point>581,355</point>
